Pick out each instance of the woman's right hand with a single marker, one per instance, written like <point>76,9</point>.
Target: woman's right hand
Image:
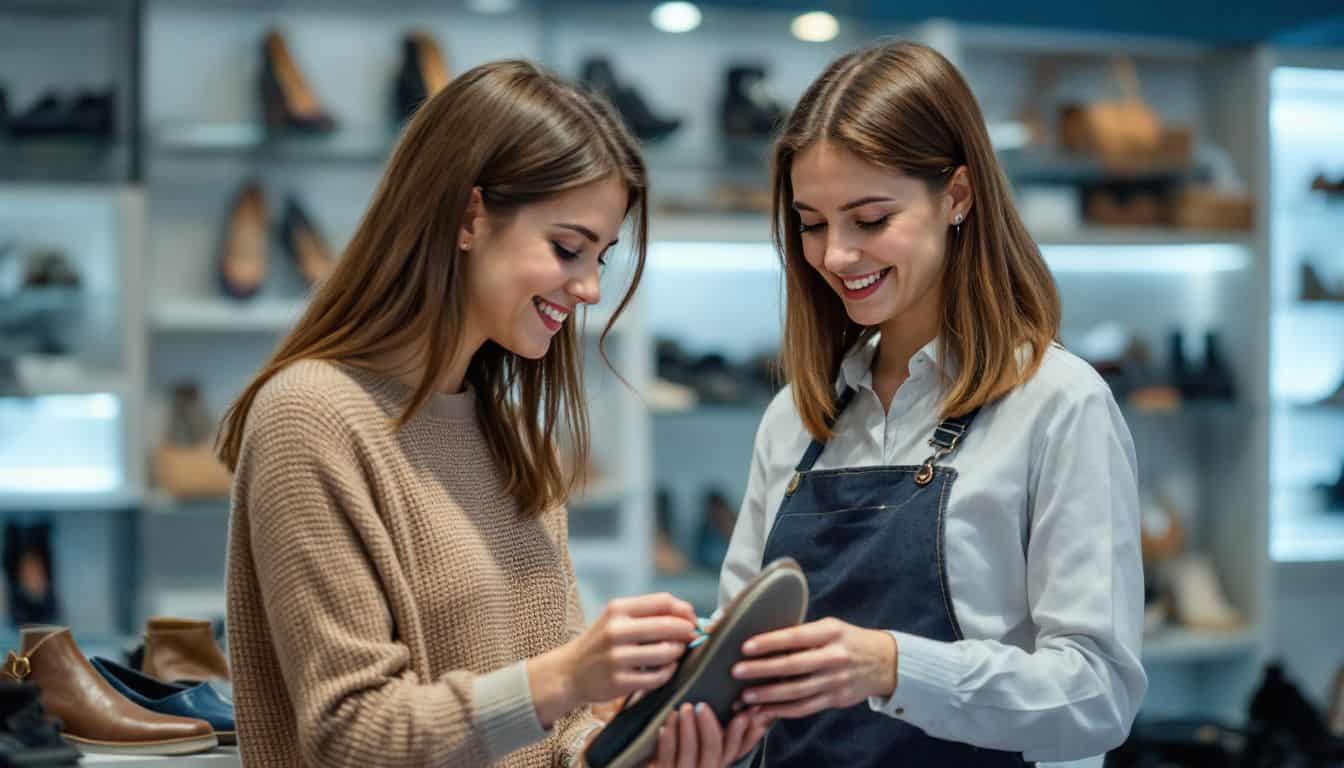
<point>633,646</point>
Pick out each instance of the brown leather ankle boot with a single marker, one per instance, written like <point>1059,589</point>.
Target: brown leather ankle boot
<point>94,717</point>
<point>182,650</point>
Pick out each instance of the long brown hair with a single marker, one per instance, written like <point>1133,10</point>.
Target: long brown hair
<point>521,135</point>
<point>903,107</point>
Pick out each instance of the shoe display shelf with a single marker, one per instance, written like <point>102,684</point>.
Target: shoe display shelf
<point>1307,347</point>
<point>219,757</point>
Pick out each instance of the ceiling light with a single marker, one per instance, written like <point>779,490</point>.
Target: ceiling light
<point>815,27</point>
<point>675,17</point>
<point>492,6</point>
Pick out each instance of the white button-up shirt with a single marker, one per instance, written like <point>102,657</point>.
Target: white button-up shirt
<point>1042,545</point>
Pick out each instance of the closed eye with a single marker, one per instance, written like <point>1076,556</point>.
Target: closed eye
<point>873,223</point>
<point>805,228</point>
<point>564,253</point>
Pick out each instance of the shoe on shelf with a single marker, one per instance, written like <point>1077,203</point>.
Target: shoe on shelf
<point>746,110</point>
<point>182,651</point>
<point>598,75</point>
<point>199,702</point>
<point>305,244</point>
<point>28,737</point>
<point>1197,597</point>
<point>423,73</point>
<point>94,716</point>
<point>4,111</point>
<point>29,574</point>
<point>243,259</point>
<point>775,599</point>
<point>1334,494</point>
<point>716,529</point>
<point>288,101</point>
<point>1182,372</point>
<point>1314,287</point>
<point>1278,706</point>
<point>184,463</point>
<point>667,559</point>
<point>1215,380</point>
<point>1161,532</point>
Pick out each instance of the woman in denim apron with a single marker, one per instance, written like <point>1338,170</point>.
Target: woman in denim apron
<point>959,489</point>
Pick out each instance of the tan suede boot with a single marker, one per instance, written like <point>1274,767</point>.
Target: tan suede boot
<point>178,650</point>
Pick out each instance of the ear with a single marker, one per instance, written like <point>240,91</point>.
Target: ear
<point>473,221</point>
<point>960,195</point>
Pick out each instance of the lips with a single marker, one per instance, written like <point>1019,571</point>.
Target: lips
<point>862,286</point>
<point>552,315</point>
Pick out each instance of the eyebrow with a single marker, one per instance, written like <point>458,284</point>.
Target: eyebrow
<point>852,204</point>
<point>587,233</point>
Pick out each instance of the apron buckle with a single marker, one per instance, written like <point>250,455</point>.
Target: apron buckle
<point>925,474</point>
<point>793,484</point>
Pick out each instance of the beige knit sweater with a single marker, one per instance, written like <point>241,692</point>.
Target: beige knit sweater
<point>383,589</point>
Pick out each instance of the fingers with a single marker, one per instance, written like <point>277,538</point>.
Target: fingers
<point>798,689</point>
<point>710,735</point>
<point>736,736</point>
<point>755,732</point>
<point>651,655</point>
<point>667,743</point>
<point>795,709</point>
<point>687,743</point>
<point>661,604</point>
<point>622,630</point>
<point>794,638</point>
<point>793,664</point>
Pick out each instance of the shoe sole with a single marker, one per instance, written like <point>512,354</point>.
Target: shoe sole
<point>227,738</point>
<point>775,599</point>
<point>189,746</point>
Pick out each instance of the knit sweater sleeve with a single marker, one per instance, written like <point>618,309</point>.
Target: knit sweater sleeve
<point>321,553</point>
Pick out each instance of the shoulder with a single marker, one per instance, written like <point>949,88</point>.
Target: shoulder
<point>781,417</point>
<point>1063,381</point>
<point>308,398</point>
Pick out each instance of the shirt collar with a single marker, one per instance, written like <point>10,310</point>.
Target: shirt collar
<point>856,369</point>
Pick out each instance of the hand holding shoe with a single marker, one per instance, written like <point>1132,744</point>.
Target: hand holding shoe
<point>633,646</point>
<point>826,664</point>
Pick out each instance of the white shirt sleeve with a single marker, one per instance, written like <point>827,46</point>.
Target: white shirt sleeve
<point>747,545</point>
<point>1078,692</point>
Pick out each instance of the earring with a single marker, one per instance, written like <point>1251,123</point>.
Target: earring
<point>464,246</point>
<point>956,224</point>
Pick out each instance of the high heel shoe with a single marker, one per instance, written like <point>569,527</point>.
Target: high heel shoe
<point>423,73</point>
<point>598,76</point>
<point>288,101</point>
<point>746,110</point>
<point>1314,287</point>
<point>243,260</point>
<point>305,244</point>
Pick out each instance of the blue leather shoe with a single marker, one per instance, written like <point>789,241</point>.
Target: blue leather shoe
<point>197,701</point>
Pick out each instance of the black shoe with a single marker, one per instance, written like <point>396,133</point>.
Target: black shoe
<point>29,574</point>
<point>775,599</point>
<point>1215,379</point>
<point>1183,375</point>
<point>598,76</point>
<point>4,111</point>
<point>1314,288</point>
<point>288,101</point>
<point>1189,743</point>
<point>1278,707</point>
<point>305,244</point>
<point>27,736</point>
<point>745,110</point>
<point>423,73</point>
<point>93,114</point>
<point>48,116</point>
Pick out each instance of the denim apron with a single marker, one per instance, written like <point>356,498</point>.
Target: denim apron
<point>870,540</point>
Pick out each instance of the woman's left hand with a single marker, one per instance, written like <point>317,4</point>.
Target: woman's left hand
<point>829,664</point>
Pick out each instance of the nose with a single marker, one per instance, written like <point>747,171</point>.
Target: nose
<point>584,287</point>
<point>840,254</point>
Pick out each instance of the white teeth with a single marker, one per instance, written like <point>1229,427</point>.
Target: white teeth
<point>864,282</point>
<point>550,311</point>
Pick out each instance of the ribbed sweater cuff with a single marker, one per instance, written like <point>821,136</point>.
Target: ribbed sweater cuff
<point>503,711</point>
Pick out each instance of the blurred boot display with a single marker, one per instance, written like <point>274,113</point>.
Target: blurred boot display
<point>185,464</point>
<point>598,76</point>
<point>88,114</point>
<point>1215,380</point>
<point>181,651</point>
<point>1183,743</point>
<point>288,101</point>
<point>1321,183</point>
<point>243,259</point>
<point>1288,725</point>
<point>667,559</point>
<point>306,244</point>
<point>29,574</point>
<point>1314,288</point>
<point>716,529</point>
<point>1197,597</point>
<point>746,110</point>
<point>423,73</point>
<point>28,737</point>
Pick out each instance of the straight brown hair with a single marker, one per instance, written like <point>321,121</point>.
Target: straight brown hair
<point>903,107</point>
<point>522,136</point>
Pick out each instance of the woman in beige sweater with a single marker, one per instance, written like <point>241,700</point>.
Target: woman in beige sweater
<point>399,585</point>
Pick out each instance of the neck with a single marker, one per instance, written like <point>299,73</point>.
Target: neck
<point>408,367</point>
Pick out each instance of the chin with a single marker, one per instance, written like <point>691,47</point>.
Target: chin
<point>532,349</point>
